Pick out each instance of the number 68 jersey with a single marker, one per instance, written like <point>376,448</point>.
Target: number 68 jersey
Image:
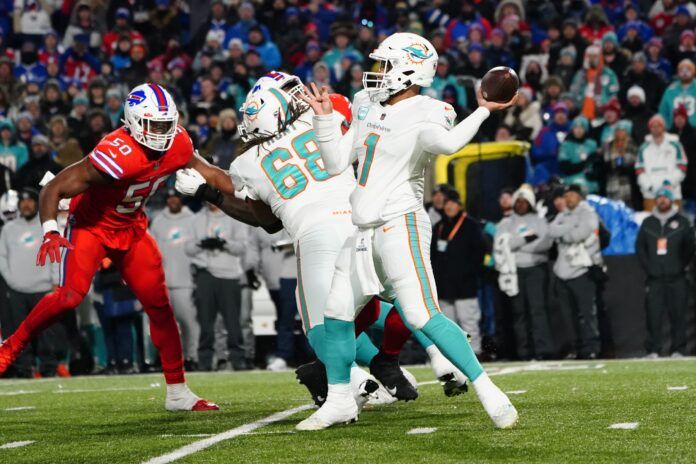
<point>287,173</point>
<point>114,211</point>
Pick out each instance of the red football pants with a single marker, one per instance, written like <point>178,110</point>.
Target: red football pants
<point>141,269</point>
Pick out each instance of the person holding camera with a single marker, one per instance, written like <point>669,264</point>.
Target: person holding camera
<point>217,247</point>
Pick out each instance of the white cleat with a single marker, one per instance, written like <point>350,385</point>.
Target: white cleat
<point>381,396</point>
<point>180,398</point>
<point>453,381</point>
<point>410,377</point>
<point>340,408</point>
<point>277,365</point>
<point>495,402</point>
<point>363,385</point>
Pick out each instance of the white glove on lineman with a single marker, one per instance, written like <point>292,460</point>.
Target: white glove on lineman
<point>187,181</point>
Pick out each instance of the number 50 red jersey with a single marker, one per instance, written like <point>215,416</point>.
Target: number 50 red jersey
<point>114,211</point>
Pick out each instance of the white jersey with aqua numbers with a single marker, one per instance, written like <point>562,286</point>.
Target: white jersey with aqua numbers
<point>393,144</point>
<point>287,173</point>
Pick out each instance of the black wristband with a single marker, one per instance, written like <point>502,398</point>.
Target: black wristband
<point>210,194</point>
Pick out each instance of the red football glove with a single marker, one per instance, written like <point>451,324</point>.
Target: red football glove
<point>52,243</point>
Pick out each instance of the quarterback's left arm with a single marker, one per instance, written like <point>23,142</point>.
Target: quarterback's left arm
<point>438,138</point>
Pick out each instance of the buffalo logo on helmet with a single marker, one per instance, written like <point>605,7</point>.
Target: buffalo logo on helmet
<point>135,98</point>
<point>418,53</point>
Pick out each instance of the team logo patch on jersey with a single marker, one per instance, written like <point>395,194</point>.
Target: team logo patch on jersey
<point>136,98</point>
<point>27,239</point>
<point>418,53</point>
<point>362,112</point>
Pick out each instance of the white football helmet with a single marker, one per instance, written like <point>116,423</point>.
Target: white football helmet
<point>405,59</point>
<point>265,114</point>
<point>151,116</point>
<point>290,84</point>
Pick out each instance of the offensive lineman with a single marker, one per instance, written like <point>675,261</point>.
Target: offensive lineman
<point>394,133</point>
<point>109,188</point>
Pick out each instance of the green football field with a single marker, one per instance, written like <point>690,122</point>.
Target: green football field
<point>567,411</point>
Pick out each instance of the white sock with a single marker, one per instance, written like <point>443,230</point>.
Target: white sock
<point>483,383</point>
<point>433,351</point>
<point>339,390</point>
<point>177,389</point>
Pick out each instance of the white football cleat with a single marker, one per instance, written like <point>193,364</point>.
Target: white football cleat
<point>453,381</point>
<point>340,408</point>
<point>180,398</point>
<point>363,385</point>
<point>381,396</point>
<point>495,402</point>
<point>277,365</point>
<point>410,377</point>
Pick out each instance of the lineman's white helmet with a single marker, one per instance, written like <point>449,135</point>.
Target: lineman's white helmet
<point>405,59</point>
<point>151,116</point>
<point>265,114</point>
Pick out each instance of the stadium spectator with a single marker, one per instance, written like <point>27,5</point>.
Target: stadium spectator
<point>681,22</point>
<point>173,228</point>
<point>595,25</point>
<point>577,156</point>
<point>474,62</point>
<point>682,91</point>
<point>620,154</point>
<point>66,148</point>
<point>40,162</point>
<point>525,117</point>
<point>595,84</point>
<point>523,235</point>
<point>603,129</point>
<point>13,153</point>
<point>435,207</point>
<point>638,74</point>
<point>121,30</point>
<point>614,57</point>
<point>574,230</point>
<point>457,251</point>
<point>78,64</point>
<point>665,247</point>
<point>656,60</point>
<point>661,159</point>
<point>31,18</point>
<point>687,138</point>
<point>544,154</point>
<point>27,284</point>
<point>83,22</point>
<point>637,113</point>
<point>216,247</point>
<point>222,145</point>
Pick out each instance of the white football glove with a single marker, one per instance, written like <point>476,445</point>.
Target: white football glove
<point>187,181</point>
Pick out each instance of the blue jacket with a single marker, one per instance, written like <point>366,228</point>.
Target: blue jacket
<point>544,153</point>
<point>270,55</point>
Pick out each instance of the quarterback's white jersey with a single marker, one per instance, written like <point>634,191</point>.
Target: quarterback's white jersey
<point>393,144</point>
<point>287,173</point>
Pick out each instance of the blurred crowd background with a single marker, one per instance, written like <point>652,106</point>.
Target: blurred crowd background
<point>608,104</point>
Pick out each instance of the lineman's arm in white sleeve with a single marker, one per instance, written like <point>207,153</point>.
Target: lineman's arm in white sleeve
<point>436,138</point>
<point>336,149</point>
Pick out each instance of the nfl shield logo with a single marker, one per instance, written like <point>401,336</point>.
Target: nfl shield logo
<point>362,112</point>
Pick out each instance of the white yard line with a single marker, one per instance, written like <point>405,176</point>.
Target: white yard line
<point>421,430</point>
<point>516,392</point>
<point>678,388</point>
<point>624,426</point>
<point>21,408</point>
<point>17,444</point>
<point>18,392</point>
<point>98,390</point>
<point>200,445</point>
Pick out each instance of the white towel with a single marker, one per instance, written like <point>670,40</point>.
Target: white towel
<point>365,264</point>
<point>506,266</point>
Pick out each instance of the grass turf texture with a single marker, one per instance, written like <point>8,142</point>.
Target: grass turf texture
<point>565,415</point>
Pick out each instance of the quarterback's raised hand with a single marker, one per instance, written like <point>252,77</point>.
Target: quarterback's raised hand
<point>494,106</point>
<point>317,99</point>
<point>188,181</point>
<point>51,246</point>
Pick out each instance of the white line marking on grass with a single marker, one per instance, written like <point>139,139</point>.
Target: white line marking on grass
<point>98,390</point>
<point>200,445</point>
<point>429,382</point>
<point>679,388</point>
<point>190,435</point>
<point>17,444</point>
<point>421,430</point>
<point>18,392</point>
<point>624,426</point>
<point>20,408</point>
<point>516,392</point>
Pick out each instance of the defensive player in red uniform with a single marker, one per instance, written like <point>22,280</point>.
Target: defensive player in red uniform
<point>109,188</point>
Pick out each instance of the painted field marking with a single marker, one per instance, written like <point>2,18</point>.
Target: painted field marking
<point>624,426</point>
<point>17,444</point>
<point>516,392</point>
<point>200,445</point>
<point>98,390</point>
<point>190,435</point>
<point>21,408</point>
<point>18,392</point>
<point>679,388</point>
<point>421,431</point>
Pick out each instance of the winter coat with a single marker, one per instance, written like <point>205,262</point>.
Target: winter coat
<point>675,95</point>
<point>687,137</point>
<point>619,171</point>
<point>661,163</point>
<point>676,246</point>
<point>544,153</point>
<point>570,229</point>
<point>650,82</point>
<point>576,158</point>
<point>526,123</point>
<point>608,80</point>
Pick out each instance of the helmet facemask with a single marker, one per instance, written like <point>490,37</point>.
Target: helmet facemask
<point>155,133</point>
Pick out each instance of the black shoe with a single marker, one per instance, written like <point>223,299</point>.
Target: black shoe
<point>242,365</point>
<point>313,376</point>
<point>451,386</point>
<point>190,365</point>
<point>386,369</point>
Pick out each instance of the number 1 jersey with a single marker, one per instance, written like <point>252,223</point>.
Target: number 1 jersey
<point>114,211</point>
<point>287,173</point>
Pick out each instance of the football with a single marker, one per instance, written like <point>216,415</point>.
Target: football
<point>500,84</point>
